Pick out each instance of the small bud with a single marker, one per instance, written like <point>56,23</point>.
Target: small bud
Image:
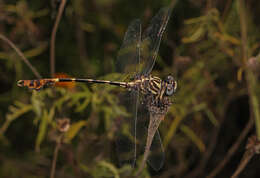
<point>253,63</point>
<point>253,144</point>
<point>63,125</point>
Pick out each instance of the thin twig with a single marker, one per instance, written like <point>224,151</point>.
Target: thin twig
<point>252,148</point>
<point>56,151</point>
<point>70,155</point>
<point>173,2</point>
<point>226,9</point>
<point>250,78</point>
<point>80,34</point>
<point>53,37</point>
<point>246,158</point>
<point>243,29</point>
<point>35,72</point>
<point>209,4</point>
<point>233,149</point>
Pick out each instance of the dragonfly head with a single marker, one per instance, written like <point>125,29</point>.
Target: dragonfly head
<point>171,86</point>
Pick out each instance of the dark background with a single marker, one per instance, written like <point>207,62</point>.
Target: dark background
<point>209,46</point>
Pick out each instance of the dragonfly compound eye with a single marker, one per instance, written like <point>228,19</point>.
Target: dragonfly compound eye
<point>171,87</point>
<point>169,91</point>
<point>169,79</point>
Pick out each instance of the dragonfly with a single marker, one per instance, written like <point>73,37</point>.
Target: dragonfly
<point>149,97</point>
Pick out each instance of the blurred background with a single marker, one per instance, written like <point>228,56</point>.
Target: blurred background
<point>211,47</point>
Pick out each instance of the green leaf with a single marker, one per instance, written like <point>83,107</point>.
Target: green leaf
<point>82,106</point>
<point>108,113</point>
<point>14,112</point>
<point>195,36</point>
<point>36,51</point>
<point>17,110</point>
<point>76,98</point>
<point>37,102</point>
<point>194,138</point>
<point>42,130</point>
<point>212,117</point>
<point>172,130</point>
<point>85,168</point>
<point>59,102</point>
<point>110,167</point>
<point>74,129</point>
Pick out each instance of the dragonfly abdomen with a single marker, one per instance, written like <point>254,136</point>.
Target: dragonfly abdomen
<point>122,84</point>
<point>42,83</point>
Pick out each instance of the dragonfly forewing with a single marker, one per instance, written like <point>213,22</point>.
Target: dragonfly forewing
<point>151,39</point>
<point>129,54</point>
<point>127,64</point>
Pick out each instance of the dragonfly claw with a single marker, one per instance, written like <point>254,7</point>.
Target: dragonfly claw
<point>20,83</point>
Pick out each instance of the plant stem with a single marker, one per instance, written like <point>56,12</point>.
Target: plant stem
<point>251,79</point>
<point>56,151</point>
<point>53,37</point>
<point>19,52</point>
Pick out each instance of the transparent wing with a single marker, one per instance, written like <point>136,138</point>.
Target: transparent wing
<point>156,156</point>
<point>151,39</point>
<point>129,54</point>
<point>127,64</point>
<point>133,134</point>
<point>149,139</point>
<point>126,135</point>
<point>134,128</point>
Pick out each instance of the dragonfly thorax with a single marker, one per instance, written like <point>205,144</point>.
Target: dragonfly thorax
<point>154,86</point>
<point>147,85</point>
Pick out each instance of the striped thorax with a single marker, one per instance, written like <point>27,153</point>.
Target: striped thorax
<point>152,85</point>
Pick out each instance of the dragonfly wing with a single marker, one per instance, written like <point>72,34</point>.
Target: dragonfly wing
<point>126,135</point>
<point>151,39</point>
<point>156,155</point>
<point>149,139</point>
<point>127,65</point>
<point>129,54</point>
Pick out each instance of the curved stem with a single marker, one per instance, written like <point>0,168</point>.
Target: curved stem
<point>18,51</point>
<point>53,37</point>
